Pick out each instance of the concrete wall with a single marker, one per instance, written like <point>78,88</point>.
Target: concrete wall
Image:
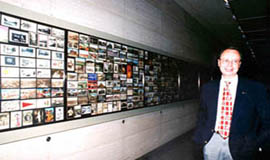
<point>113,140</point>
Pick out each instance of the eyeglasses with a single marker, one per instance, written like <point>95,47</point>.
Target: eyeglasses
<point>226,61</point>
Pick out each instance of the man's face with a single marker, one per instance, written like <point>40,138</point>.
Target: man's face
<point>229,63</point>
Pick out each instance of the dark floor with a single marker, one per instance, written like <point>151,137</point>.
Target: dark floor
<point>179,148</point>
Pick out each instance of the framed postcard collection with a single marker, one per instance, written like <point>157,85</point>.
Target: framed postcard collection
<point>50,74</point>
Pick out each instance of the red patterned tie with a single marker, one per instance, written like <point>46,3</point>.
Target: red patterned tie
<point>226,112</point>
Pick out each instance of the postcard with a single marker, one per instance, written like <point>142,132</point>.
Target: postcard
<point>28,83</point>
<point>44,29</point>
<point>58,101</point>
<point>82,100</point>
<point>16,119</point>
<point>33,39</point>
<point>73,52</point>
<point>84,42</point>
<point>9,83</point>
<point>83,54</point>
<point>3,34</point>
<point>56,64</point>
<point>9,61</point>
<point>58,33</point>
<point>52,43</point>
<point>43,73</point>
<point>70,64</point>
<point>60,44</point>
<point>90,67</point>
<point>58,83</point>
<point>10,94</point>
<point>94,108</point>
<point>28,26</point>
<point>43,40</point>
<point>59,113</point>
<point>27,52</point>
<point>43,92</point>
<point>28,93</point>
<point>70,112</point>
<point>27,62</point>
<point>27,73</point>
<point>4,121</point>
<point>28,104</point>
<point>82,84</point>
<point>72,101</point>
<point>72,92</point>
<point>72,76</point>
<point>86,110</point>
<point>57,73</point>
<point>27,117</point>
<point>42,53</point>
<point>49,114</point>
<point>43,63</point>
<point>38,116</point>
<point>43,103</point>
<point>9,72</point>
<point>57,92</point>
<point>18,36</point>
<point>10,50</point>
<point>10,21</point>
<point>43,83</point>
<point>56,55</point>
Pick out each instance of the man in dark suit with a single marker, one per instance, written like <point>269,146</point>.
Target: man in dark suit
<point>234,117</point>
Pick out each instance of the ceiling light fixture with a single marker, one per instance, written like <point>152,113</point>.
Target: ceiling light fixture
<point>227,4</point>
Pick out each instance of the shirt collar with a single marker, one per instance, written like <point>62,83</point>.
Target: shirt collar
<point>233,80</point>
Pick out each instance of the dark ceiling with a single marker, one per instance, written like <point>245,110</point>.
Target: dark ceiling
<point>241,23</point>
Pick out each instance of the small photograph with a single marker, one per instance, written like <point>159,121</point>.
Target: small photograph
<point>3,34</point>
<point>58,33</point>
<point>109,91</point>
<point>72,76</point>
<point>4,121</point>
<point>110,106</point>
<point>80,61</point>
<point>101,84</point>
<point>56,55</point>
<point>83,54</point>
<point>18,36</point>
<point>109,98</point>
<point>72,101</point>
<point>44,29</point>
<point>49,114</point>
<point>43,92</point>
<point>84,42</point>
<point>52,43</point>
<point>72,84</point>
<point>70,64</point>
<point>10,94</point>
<point>123,96</point>
<point>43,40</point>
<point>124,48</point>
<point>43,63</point>
<point>101,98</point>
<point>105,107</point>
<point>92,97</point>
<point>101,91</point>
<point>102,44</point>
<point>9,61</point>
<point>59,101</point>
<point>57,92</point>
<point>15,119</point>
<point>80,68</point>
<point>10,21</point>
<point>28,104</point>
<point>38,116</point>
<point>92,77</point>
<point>27,52</point>
<point>73,39</point>
<point>117,46</point>
<point>57,83</point>
<point>123,77</point>
<point>27,73</point>
<point>92,56</point>
<point>94,108</point>
<point>10,83</point>
<point>43,73</point>
<point>82,100</point>
<point>10,50</point>
<point>109,83</point>
<point>101,76</point>
<point>73,52</point>
<point>86,110</point>
<point>59,113</point>
<point>92,85</point>
<point>82,92</point>
<point>28,26</point>
<point>90,67</point>
<point>56,73</point>
<point>70,112</point>
<point>33,39</point>
<point>42,53</point>
<point>115,68</point>
<point>101,55</point>
<point>110,45</point>
<point>28,83</point>
<point>82,84</point>
<point>43,83</point>
<point>93,48</point>
<point>108,67</point>
<point>27,118</point>
<point>28,93</point>
<point>56,64</point>
<point>123,55</point>
<point>27,62</point>
<point>43,103</point>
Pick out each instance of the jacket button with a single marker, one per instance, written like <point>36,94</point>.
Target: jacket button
<point>205,142</point>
